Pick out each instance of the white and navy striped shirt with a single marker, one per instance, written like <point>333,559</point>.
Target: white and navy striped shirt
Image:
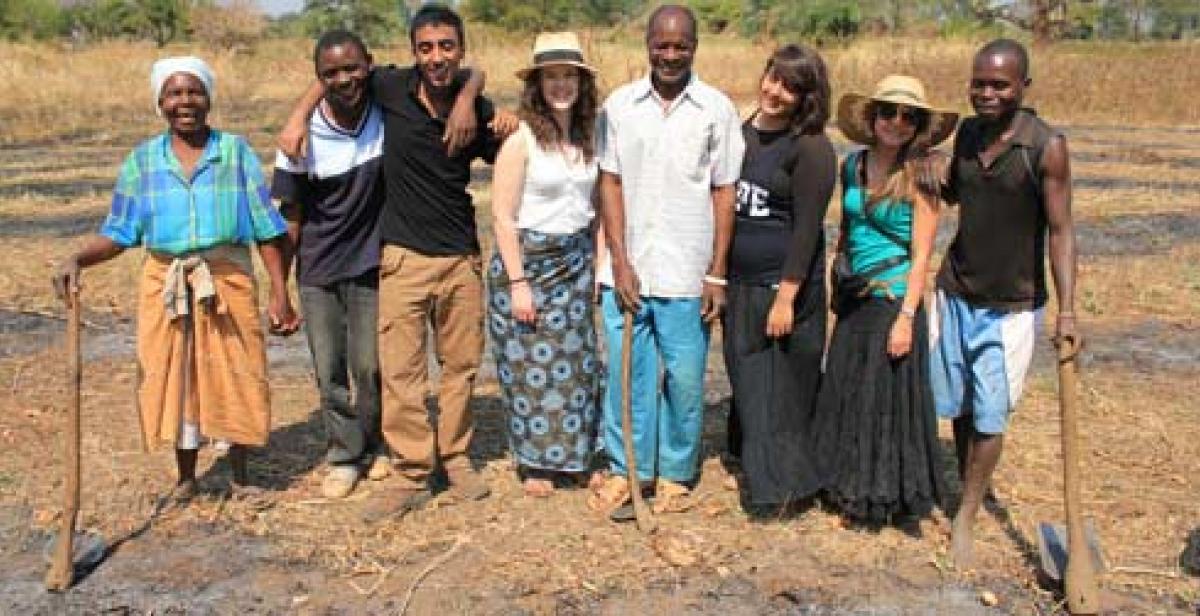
<point>338,188</point>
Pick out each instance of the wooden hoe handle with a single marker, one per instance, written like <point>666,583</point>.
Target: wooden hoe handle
<point>645,520</point>
<point>62,568</point>
<point>1083,595</point>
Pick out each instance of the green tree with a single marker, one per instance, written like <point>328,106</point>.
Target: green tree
<point>602,12</point>
<point>235,25</point>
<point>820,18</point>
<point>374,20</point>
<point>1175,19</point>
<point>717,15</point>
<point>487,11</point>
<point>37,19</point>
<point>161,21</point>
<point>536,15</point>
<point>103,19</point>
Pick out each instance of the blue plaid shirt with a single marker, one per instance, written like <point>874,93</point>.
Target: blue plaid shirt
<point>226,201</point>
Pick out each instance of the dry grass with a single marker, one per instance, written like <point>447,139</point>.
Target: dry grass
<point>64,139</point>
<point>64,92</point>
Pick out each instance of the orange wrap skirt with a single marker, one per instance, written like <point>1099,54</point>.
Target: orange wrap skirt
<point>208,367</point>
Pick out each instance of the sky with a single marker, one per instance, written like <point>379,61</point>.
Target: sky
<point>278,7</point>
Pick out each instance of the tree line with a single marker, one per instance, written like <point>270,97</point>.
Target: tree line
<point>229,24</point>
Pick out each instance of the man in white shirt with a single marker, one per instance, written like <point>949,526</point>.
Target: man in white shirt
<point>670,152</point>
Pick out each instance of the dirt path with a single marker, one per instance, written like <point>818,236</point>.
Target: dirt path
<point>1140,246</point>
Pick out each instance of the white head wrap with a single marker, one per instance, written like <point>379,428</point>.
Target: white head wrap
<point>164,68</point>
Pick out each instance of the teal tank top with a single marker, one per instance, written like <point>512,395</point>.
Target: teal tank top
<point>865,246</point>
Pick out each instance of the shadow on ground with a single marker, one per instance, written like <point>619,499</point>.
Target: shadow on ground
<point>64,225</point>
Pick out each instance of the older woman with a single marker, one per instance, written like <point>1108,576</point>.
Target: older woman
<point>775,321</point>
<point>195,198</point>
<point>541,277</point>
<point>875,432</point>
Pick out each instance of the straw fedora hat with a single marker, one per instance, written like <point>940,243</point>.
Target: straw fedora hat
<point>852,116</point>
<point>556,48</point>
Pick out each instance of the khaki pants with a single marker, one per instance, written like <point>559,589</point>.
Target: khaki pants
<point>413,290</point>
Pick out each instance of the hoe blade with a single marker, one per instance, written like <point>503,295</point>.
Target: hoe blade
<point>1052,547</point>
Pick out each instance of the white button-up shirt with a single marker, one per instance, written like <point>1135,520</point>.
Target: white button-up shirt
<point>669,161</point>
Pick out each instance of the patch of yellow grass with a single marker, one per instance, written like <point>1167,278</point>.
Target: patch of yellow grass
<point>104,88</point>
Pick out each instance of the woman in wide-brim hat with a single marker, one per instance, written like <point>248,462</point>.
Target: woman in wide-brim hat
<point>541,278</point>
<point>875,431</point>
<point>855,121</point>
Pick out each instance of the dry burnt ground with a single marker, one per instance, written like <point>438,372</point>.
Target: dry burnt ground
<point>511,554</point>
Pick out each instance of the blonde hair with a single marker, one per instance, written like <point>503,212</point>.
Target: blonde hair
<point>899,183</point>
<point>897,187</point>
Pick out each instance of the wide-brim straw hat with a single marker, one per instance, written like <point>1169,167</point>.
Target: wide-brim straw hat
<point>551,48</point>
<point>854,122</point>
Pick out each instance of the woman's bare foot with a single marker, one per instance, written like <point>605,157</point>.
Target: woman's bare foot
<point>538,487</point>
<point>596,480</point>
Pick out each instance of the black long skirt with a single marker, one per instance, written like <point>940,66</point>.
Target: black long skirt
<point>875,430</point>
<point>774,383</point>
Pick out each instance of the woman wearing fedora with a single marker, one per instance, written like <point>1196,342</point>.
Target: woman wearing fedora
<point>541,279</point>
<point>875,430</point>
<point>774,321</point>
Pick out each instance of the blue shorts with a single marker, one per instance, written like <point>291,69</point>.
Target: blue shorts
<point>978,360</point>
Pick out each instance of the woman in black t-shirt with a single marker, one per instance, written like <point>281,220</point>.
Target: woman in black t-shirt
<point>774,322</point>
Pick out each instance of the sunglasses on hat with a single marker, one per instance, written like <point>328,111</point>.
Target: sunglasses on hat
<point>911,115</point>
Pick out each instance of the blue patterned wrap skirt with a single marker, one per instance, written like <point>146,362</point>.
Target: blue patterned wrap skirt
<point>548,372</point>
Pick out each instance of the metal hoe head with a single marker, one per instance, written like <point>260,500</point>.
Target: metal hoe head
<point>1053,549</point>
<point>88,549</point>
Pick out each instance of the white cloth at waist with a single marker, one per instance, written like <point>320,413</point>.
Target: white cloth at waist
<point>188,277</point>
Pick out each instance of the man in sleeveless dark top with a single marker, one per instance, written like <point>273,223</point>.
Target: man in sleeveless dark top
<point>1011,178</point>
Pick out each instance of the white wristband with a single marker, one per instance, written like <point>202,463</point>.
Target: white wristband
<point>720,282</point>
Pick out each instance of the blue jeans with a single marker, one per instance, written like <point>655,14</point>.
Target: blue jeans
<point>340,320</point>
<point>666,426</point>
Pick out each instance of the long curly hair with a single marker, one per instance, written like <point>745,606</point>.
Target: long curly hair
<point>537,114</point>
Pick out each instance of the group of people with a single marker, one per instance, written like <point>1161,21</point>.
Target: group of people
<point>662,205</point>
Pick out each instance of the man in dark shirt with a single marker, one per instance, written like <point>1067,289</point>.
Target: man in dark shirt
<point>1011,177</point>
<point>429,268</point>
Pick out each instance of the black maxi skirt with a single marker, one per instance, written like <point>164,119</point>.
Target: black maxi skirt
<point>774,383</point>
<point>875,430</point>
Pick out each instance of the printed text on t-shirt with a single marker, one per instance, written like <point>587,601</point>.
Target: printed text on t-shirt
<point>754,198</point>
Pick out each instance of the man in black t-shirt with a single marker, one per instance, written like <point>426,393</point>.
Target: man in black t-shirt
<point>430,269</point>
<point>1011,178</point>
